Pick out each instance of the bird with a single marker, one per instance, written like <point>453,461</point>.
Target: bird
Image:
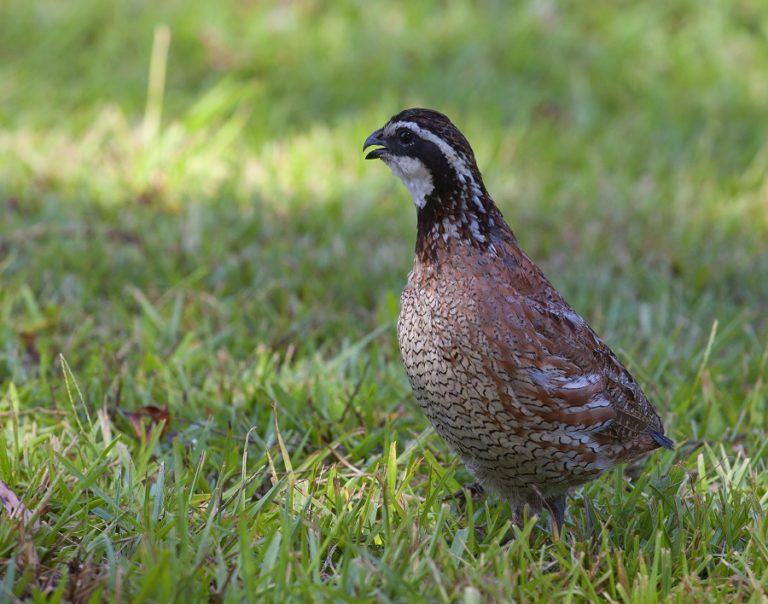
<point>511,377</point>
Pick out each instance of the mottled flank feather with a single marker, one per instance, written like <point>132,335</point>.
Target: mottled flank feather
<point>517,383</point>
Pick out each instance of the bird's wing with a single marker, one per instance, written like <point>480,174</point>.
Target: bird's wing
<point>557,366</point>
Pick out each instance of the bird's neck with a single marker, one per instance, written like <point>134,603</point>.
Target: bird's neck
<point>464,217</point>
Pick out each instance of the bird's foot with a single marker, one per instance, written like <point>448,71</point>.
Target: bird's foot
<point>556,507</point>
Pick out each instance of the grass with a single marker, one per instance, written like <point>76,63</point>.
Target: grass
<point>214,245</point>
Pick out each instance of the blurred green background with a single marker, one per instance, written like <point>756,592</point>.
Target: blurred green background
<point>214,243</point>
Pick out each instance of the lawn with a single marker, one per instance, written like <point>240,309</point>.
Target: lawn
<point>200,388</point>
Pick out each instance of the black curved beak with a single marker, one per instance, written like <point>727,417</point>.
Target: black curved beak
<point>376,138</point>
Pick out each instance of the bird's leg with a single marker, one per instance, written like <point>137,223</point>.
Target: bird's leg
<point>520,512</point>
<point>518,515</point>
<point>556,506</point>
<point>475,490</point>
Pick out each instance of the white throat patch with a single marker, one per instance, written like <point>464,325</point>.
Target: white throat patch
<point>414,175</point>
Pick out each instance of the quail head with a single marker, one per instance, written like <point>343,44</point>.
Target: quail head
<point>515,381</point>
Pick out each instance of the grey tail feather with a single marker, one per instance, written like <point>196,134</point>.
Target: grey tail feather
<point>662,440</point>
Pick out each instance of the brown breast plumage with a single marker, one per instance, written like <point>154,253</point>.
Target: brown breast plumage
<point>513,379</point>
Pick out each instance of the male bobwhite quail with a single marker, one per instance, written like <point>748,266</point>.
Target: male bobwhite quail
<point>509,374</point>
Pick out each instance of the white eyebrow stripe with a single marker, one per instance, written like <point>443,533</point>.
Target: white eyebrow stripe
<point>451,155</point>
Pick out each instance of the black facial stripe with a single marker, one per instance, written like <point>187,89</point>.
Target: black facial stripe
<point>443,175</point>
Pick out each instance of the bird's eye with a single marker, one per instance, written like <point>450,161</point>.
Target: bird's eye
<point>405,136</point>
